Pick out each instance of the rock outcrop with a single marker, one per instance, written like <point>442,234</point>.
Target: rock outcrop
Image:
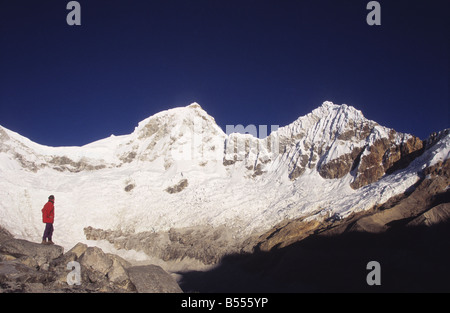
<point>203,243</point>
<point>32,267</point>
<point>178,187</point>
<point>30,253</point>
<point>385,156</point>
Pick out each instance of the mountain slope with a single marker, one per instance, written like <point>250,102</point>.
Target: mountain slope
<point>178,175</point>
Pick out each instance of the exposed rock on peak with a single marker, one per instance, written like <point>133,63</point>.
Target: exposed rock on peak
<point>386,155</point>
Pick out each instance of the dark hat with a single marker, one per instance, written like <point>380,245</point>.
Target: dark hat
<point>51,197</point>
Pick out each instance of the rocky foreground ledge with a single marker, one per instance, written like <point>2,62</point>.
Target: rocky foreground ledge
<point>31,267</point>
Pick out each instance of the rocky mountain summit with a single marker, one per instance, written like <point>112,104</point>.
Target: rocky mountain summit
<point>32,267</point>
<point>335,141</point>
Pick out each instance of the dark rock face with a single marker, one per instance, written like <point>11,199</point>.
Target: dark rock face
<point>385,156</point>
<point>32,267</point>
<point>341,166</point>
<point>370,163</point>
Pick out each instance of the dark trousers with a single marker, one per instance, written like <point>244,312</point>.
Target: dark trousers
<point>48,232</point>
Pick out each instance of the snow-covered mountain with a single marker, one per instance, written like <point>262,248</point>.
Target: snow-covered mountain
<point>179,175</point>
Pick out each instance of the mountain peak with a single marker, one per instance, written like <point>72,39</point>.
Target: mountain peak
<point>330,107</point>
<point>194,105</point>
<point>328,104</point>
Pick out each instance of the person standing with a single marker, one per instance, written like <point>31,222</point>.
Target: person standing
<point>48,216</point>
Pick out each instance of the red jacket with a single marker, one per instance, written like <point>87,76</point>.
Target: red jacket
<point>48,212</point>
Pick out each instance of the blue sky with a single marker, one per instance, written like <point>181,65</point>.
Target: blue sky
<point>245,61</point>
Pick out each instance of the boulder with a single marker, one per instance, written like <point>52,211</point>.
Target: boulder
<point>110,266</point>
<point>42,254</point>
<point>78,249</point>
<point>117,273</point>
<point>95,259</point>
<point>152,279</point>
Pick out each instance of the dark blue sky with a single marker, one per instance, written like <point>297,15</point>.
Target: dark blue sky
<point>245,61</point>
